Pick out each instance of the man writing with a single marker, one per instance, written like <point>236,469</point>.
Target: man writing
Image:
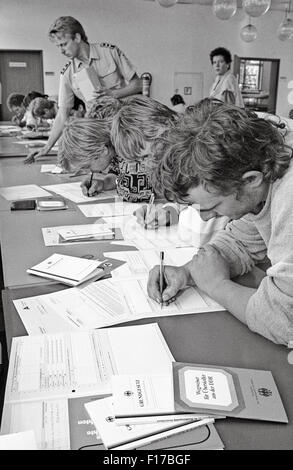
<point>113,72</point>
<point>232,163</point>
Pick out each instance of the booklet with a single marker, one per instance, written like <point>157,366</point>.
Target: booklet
<point>132,437</point>
<point>86,232</point>
<point>69,270</point>
<point>200,388</point>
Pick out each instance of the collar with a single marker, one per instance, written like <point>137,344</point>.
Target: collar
<point>93,55</point>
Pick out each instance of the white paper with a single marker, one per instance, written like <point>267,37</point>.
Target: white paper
<point>164,237</point>
<point>138,263</point>
<point>46,370</point>
<point>109,209</point>
<point>18,441</point>
<point>104,303</point>
<point>51,169</point>
<point>73,192</point>
<point>28,191</point>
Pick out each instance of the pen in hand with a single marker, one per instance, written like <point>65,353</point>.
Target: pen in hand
<point>149,209</point>
<point>90,183</point>
<point>162,276</point>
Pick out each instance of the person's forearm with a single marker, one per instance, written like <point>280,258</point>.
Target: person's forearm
<point>233,297</point>
<point>56,130</point>
<point>133,88</point>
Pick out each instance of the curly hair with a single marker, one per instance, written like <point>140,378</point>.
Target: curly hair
<point>104,108</point>
<point>223,52</point>
<point>38,106</point>
<point>140,120</point>
<point>214,144</point>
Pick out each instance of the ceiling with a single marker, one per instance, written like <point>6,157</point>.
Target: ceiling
<point>280,5</point>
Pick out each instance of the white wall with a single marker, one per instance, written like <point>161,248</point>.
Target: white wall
<point>158,40</point>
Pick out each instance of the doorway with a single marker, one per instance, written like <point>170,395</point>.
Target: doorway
<point>258,82</point>
<point>20,72</point>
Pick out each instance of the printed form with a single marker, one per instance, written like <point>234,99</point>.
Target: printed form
<point>47,370</point>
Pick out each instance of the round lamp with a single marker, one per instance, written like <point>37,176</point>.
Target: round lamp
<point>256,8</point>
<point>167,3</point>
<point>285,30</point>
<point>248,33</point>
<point>224,9</point>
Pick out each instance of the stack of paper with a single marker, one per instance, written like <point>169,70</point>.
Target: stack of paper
<point>69,270</point>
<point>49,376</point>
<point>192,389</point>
<point>86,233</point>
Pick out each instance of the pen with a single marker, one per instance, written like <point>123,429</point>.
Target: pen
<point>162,277</point>
<point>149,207</point>
<point>90,183</point>
<point>159,436</point>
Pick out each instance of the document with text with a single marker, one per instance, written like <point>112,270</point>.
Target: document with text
<point>46,371</point>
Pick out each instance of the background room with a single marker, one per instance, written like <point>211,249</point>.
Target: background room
<point>173,44</point>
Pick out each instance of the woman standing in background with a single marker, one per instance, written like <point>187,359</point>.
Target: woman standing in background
<point>225,87</point>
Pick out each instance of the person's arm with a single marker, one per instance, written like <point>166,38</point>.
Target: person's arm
<point>56,131</point>
<point>132,88</point>
<point>228,97</point>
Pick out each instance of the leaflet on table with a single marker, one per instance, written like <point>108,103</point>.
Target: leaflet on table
<point>27,191</point>
<point>72,191</point>
<point>104,303</point>
<point>132,437</point>
<point>18,441</point>
<point>51,235</point>
<point>70,270</point>
<point>200,388</point>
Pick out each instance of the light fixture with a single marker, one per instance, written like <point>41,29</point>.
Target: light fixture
<point>285,30</point>
<point>248,33</point>
<point>167,3</point>
<point>256,7</point>
<point>224,9</point>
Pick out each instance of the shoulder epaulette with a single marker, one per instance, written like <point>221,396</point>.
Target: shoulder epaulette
<point>65,68</point>
<point>106,44</point>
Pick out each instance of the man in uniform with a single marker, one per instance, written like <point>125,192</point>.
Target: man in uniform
<point>102,67</point>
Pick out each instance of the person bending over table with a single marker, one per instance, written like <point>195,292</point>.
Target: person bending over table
<point>106,62</point>
<point>233,163</point>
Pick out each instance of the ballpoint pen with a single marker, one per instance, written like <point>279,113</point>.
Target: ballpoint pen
<point>162,277</point>
<point>90,183</point>
<point>149,208</point>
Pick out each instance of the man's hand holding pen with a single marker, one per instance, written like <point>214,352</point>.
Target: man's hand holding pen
<point>164,290</point>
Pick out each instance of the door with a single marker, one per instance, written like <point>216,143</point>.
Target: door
<point>189,86</point>
<point>20,72</point>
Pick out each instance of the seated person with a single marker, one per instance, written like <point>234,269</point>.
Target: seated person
<point>78,109</point>
<point>85,145</point>
<point>135,128</point>
<point>104,108</point>
<point>233,163</point>
<point>28,118</point>
<point>178,103</point>
<point>43,109</point>
<point>15,105</point>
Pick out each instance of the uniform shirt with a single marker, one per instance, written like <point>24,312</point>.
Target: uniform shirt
<point>226,82</point>
<point>112,67</point>
<point>247,241</point>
